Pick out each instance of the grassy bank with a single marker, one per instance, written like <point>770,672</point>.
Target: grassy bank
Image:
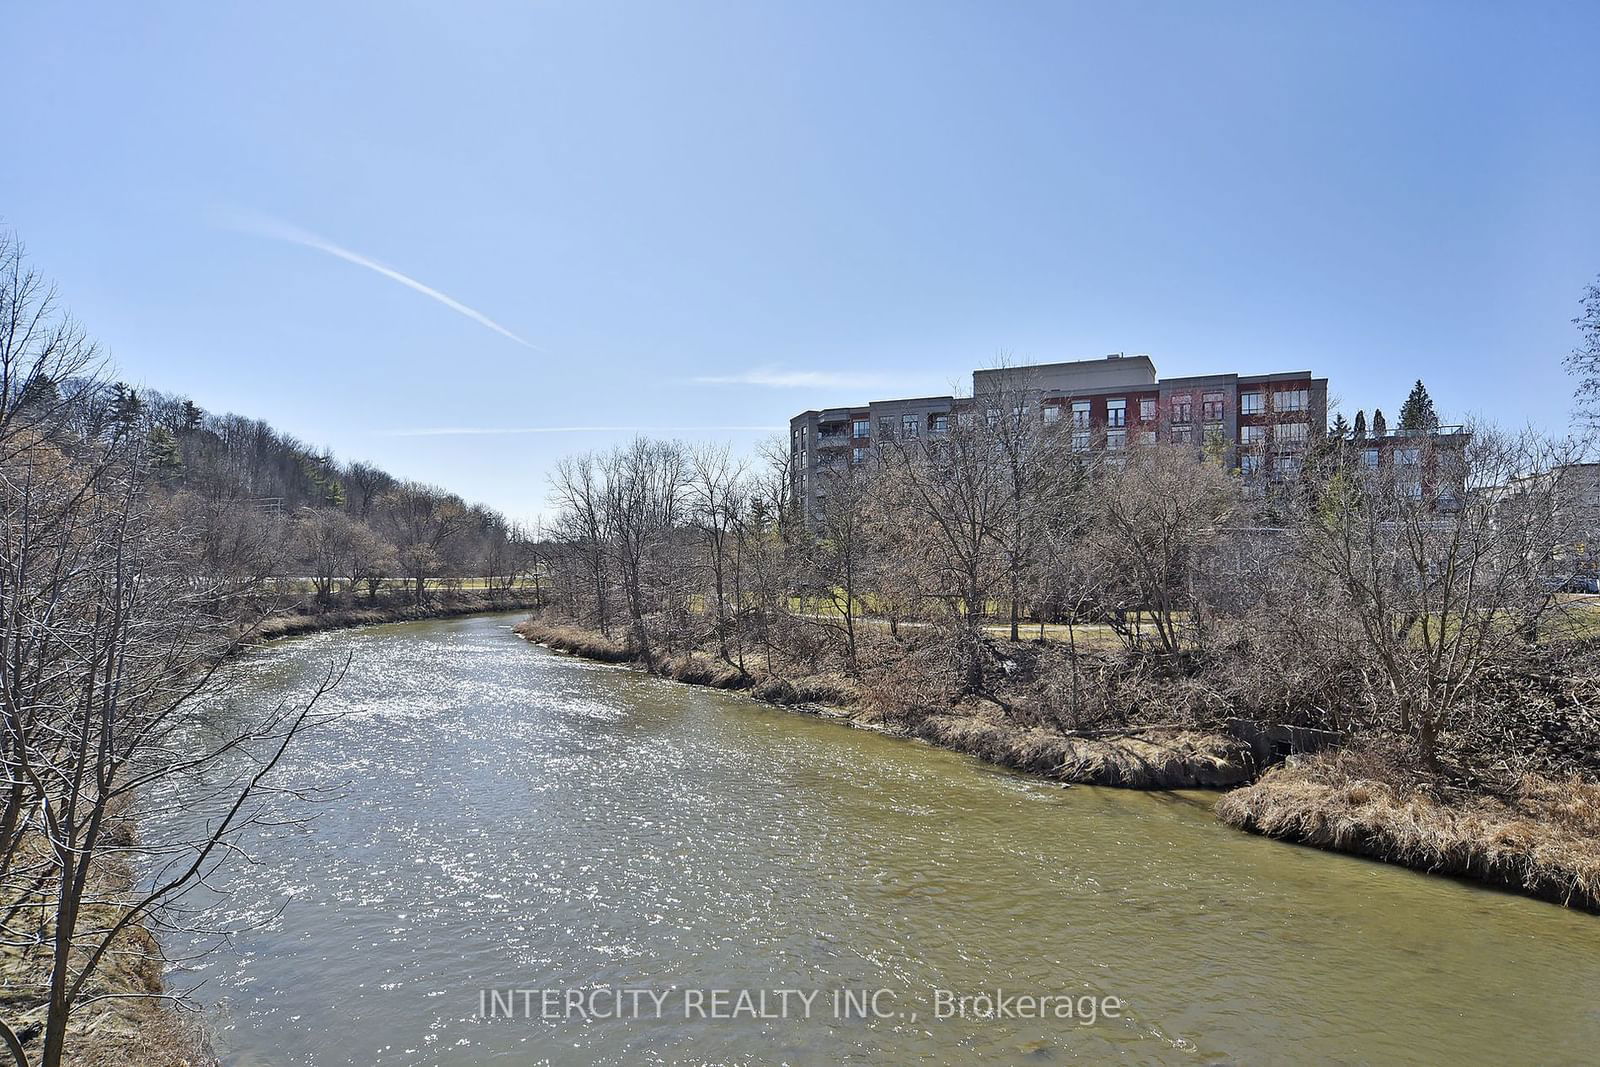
<point>133,1024</point>
<point>308,619</point>
<point>1136,757</point>
<point>1541,839</point>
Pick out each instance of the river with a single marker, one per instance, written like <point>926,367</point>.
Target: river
<point>515,819</point>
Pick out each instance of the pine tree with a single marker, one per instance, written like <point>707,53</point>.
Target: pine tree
<point>1340,428</point>
<point>1361,423</point>
<point>126,405</point>
<point>1417,414</point>
<point>189,417</point>
<point>1380,425</point>
<point>165,459</point>
<point>38,391</point>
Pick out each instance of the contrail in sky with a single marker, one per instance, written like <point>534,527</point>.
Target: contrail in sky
<point>282,231</point>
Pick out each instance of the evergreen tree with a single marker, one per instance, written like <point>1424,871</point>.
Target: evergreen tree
<point>1340,427</point>
<point>1380,425</point>
<point>189,417</point>
<point>1417,413</point>
<point>165,460</point>
<point>1361,423</point>
<point>38,391</point>
<point>126,405</point>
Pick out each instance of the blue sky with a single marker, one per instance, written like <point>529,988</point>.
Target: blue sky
<point>609,203</point>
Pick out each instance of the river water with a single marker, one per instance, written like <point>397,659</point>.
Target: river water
<point>513,819</point>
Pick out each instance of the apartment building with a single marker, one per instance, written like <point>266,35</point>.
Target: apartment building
<point>1425,464</point>
<point>1258,423</point>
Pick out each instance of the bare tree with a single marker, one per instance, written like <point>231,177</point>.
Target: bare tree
<point>366,484</point>
<point>369,559</point>
<point>644,484</point>
<point>713,480</point>
<point>1152,508</point>
<point>1584,361</point>
<point>1041,474</point>
<point>326,539</point>
<point>578,489</point>
<point>841,551</point>
<point>944,501</point>
<point>425,524</point>
<point>47,362</point>
<point>1442,569</point>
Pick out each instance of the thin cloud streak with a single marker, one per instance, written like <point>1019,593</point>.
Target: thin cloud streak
<point>776,379</point>
<point>280,231</point>
<point>483,431</point>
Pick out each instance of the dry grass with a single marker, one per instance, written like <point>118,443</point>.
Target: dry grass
<point>576,640</point>
<point>692,668</point>
<point>1543,839</point>
<point>133,1025</point>
<point>1156,760</point>
<point>697,669</point>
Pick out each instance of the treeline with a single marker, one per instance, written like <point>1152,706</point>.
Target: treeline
<point>264,504</point>
<point>1375,601</point>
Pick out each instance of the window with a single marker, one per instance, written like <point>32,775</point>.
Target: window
<point>1116,440</point>
<point>796,445</point>
<point>863,428</point>
<point>1183,407</point>
<point>1252,435</point>
<point>858,454</point>
<point>886,428</point>
<point>1289,466</point>
<point>992,419</point>
<point>1369,458</point>
<point>1052,413</point>
<point>1183,435</point>
<point>1250,464</point>
<point>938,423</point>
<point>1211,407</point>
<point>1411,490</point>
<point>1292,400</point>
<point>1252,404</point>
<point>1291,433</point>
<point>1408,457</point>
<point>1147,409</point>
<point>1147,437</point>
<point>1080,440</point>
<point>908,426</point>
<point>1080,414</point>
<point>1117,412</point>
<point>965,420</point>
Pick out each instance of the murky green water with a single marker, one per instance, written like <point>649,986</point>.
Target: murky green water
<point>517,819</point>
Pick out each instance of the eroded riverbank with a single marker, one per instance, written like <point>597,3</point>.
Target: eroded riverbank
<point>1137,759</point>
<point>1544,842</point>
<point>509,817</point>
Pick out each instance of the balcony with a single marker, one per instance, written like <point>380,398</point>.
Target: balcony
<point>1411,435</point>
